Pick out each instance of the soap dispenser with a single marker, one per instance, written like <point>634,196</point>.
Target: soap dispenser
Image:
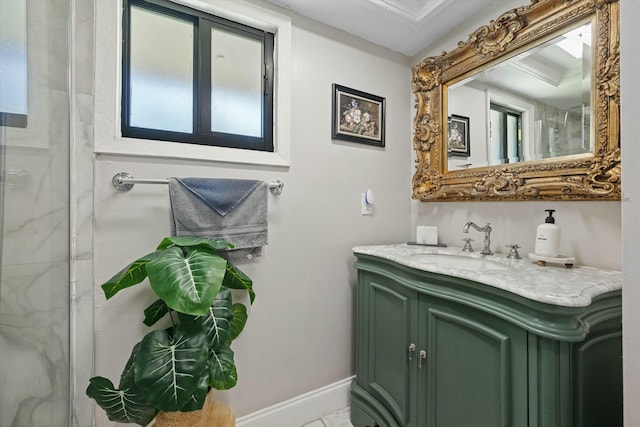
<point>548,237</point>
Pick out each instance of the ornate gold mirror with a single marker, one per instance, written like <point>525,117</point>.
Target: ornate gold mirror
<point>526,109</point>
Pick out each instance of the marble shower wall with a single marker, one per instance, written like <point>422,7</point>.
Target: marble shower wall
<point>34,285</point>
<point>82,282</point>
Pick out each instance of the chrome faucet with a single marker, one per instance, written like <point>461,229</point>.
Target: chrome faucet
<point>487,236</point>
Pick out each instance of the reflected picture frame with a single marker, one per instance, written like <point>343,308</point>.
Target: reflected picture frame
<point>357,116</point>
<point>458,136</point>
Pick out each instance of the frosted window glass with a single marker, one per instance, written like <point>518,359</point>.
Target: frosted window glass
<point>236,84</point>
<point>512,138</point>
<point>497,138</point>
<point>161,83</point>
<point>13,57</point>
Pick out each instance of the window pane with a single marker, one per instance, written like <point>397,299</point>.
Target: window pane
<point>161,83</point>
<point>13,57</point>
<point>236,84</point>
<point>512,137</point>
<point>497,154</point>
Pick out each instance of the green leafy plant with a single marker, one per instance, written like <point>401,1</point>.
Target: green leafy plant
<point>172,369</point>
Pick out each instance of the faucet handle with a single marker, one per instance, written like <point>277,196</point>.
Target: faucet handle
<point>513,252</point>
<point>467,244</point>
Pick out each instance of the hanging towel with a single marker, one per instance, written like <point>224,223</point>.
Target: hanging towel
<point>234,210</point>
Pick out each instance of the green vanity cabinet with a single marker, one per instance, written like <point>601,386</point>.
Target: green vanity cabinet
<point>439,351</point>
<point>432,362</point>
<point>390,311</point>
<point>476,368</point>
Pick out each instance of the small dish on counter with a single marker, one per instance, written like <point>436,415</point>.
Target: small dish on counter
<point>543,260</point>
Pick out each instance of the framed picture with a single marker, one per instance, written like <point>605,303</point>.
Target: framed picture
<point>458,136</point>
<point>357,116</point>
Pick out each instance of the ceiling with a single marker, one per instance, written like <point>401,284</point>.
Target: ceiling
<point>406,26</point>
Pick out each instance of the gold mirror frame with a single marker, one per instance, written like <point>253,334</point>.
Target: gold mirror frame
<point>581,177</point>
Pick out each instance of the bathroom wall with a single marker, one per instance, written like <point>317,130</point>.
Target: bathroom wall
<point>300,332</point>
<point>82,222</point>
<point>591,231</point>
<point>630,127</point>
<point>299,336</point>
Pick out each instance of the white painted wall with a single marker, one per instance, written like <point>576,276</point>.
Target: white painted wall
<point>472,103</point>
<point>299,335</point>
<point>630,128</point>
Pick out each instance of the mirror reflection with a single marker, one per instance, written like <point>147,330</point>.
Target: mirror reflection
<point>534,106</point>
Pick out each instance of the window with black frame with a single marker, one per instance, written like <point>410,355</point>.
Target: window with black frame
<point>506,135</point>
<point>192,77</point>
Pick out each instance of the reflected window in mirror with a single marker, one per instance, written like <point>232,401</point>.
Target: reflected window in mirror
<point>505,135</point>
<point>549,86</point>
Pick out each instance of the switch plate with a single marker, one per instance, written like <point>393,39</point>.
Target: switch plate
<point>365,208</point>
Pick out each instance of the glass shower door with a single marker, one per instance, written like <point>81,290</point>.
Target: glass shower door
<point>34,212</point>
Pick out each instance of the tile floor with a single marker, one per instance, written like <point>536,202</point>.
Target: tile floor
<point>337,419</point>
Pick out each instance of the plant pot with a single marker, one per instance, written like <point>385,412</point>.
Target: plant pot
<point>212,414</point>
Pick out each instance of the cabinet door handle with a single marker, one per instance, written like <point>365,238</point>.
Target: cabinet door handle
<point>412,348</point>
<point>423,356</point>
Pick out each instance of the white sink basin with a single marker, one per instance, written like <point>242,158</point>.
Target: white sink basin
<point>456,261</point>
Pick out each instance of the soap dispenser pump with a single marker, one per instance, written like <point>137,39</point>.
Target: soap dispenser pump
<point>548,237</point>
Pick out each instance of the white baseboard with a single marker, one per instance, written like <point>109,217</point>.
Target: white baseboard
<point>301,409</point>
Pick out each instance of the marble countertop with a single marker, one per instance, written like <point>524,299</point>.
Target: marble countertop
<point>553,284</point>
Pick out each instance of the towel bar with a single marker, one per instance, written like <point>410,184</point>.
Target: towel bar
<point>124,181</point>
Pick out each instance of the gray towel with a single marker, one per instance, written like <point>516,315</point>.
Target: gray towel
<point>234,210</point>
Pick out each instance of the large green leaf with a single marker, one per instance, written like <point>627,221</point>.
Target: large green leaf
<point>222,370</point>
<point>199,396</point>
<point>131,275</point>
<point>187,280</point>
<point>168,366</point>
<point>155,312</point>
<point>236,279</point>
<point>127,377</point>
<point>217,322</point>
<point>124,405</point>
<point>190,241</point>
<point>239,320</point>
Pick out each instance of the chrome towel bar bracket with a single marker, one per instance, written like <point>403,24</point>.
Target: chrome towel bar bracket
<point>124,181</point>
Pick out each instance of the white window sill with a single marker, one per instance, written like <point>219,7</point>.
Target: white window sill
<point>165,149</point>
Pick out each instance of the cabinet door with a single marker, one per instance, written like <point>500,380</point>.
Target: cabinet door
<point>476,368</point>
<point>597,384</point>
<point>388,331</point>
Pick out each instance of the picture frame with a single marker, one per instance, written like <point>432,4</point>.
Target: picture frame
<point>458,136</point>
<point>357,116</point>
